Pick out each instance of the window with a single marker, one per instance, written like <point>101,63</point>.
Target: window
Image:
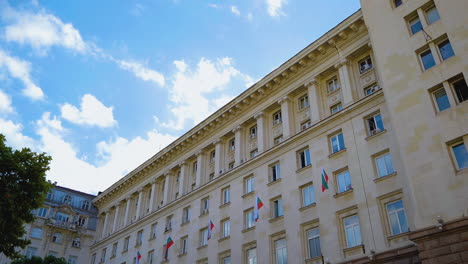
<point>232,144</point>
<point>281,252</point>
<point>85,205</point>
<point>81,221</point>
<point>114,250</point>
<point>277,140</point>
<point>151,257</point>
<point>432,15</point>
<point>275,172</point>
<point>336,108</point>
<point>384,165</point>
<point>343,181</point>
<point>36,232</point>
<point>415,25</point>
<point>249,184</point>
<point>313,242</point>
<point>226,226</point>
<point>303,102</point>
<point>253,153</point>
<point>212,156</point>
<point>186,215</point>
<point>308,196</point>
<point>72,259</point>
<point>31,251</point>
<point>139,237</point>
<point>461,155</point>
<point>397,3</point>
<point>333,84</point>
<point>352,231</point>
<point>253,132</point>
<point>168,223</point>
<point>226,195</point>
<point>184,245</point>
<point>76,242</point>
<point>304,158</point>
<point>375,124</point>
<point>306,124</point>
<point>42,212</point>
<point>251,255</point>
<point>57,238</point>
<point>441,99</point>
<point>154,229</point>
<point>67,199</point>
<point>277,207</point>
<point>337,142</point>
<point>205,205</point>
<point>397,217</point>
<point>125,245</point>
<point>365,65</point>
<point>461,90</point>
<point>204,237</point>
<point>445,49</point>
<point>249,218</point>
<point>277,118</point>
<point>371,89</point>
<point>427,59</point>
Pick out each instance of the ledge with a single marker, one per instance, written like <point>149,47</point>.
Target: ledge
<point>225,205</point>
<point>385,177</point>
<point>343,193</point>
<point>334,154</point>
<point>224,238</point>
<point>248,194</point>
<point>248,229</point>
<point>376,135</point>
<point>273,182</point>
<point>308,206</point>
<point>303,168</point>
<point>276,219</point>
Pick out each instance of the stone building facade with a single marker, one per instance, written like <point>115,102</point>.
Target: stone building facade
<point>379,104</point>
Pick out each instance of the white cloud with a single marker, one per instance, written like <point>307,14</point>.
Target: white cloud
<point>92,113</point>
<point>142,72</point>
<point>14,135</point>
<point>274,7</point>
<point>235,10</point>
<point>41,30</point>
<point>20,69</point>
<point>5,103</point>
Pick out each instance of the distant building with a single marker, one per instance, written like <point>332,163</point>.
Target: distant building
<point>64,227</point>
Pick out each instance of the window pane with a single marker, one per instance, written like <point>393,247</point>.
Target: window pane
<point>441,99</point>
<point>461,155</point>
<point>415,25</point>
<point>432,15</point>
<point>427,59</point>
<point>446,50</point>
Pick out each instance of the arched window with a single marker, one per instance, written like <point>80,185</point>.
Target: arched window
<point>67,199</point>
<point>57,237</point>
<point>85,205</point>
<point>36,232</point>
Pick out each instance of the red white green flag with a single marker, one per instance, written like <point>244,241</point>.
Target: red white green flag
<point>325,180</point>
<point>169,244</point>
<point>258,205</point>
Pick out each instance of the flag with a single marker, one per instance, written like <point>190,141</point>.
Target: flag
<point>138,257</point>
<point>169,243</point>
<point>210,228</point>
<point>258,205</point>
<point>325,180</point>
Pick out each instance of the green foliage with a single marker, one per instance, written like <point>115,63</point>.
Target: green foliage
<point>23,187</point>
<point>38,260</point>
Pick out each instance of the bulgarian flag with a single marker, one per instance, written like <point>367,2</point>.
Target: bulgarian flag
<point>169,244</point>
<point>258,205</point>
<point>325,180</point>
<point>210,228</point>
<point>138,257</point>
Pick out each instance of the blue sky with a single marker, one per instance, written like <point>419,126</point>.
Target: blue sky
<point>101,86</point>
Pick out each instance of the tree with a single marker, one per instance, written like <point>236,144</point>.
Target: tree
<point>23,187</point>
<point>39,260</point>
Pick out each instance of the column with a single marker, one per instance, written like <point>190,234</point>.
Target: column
<point>104,227</point>
<point>153,191</point>
<point>200,168</point>
<point>166,189</point>
<point>286,116</point>
<point>183,174</point>
<point>218,156</point>
<point>116,217</point>
<point>138,209</point>
<point>261,136</point>
<point>127,209</point>
<point>238,142</point>
<point>345,82</point>
<point>312,86</point>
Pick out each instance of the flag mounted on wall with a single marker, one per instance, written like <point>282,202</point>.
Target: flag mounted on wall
<point>325,180</point>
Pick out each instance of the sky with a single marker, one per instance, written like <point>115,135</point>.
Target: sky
<point>101,86</point>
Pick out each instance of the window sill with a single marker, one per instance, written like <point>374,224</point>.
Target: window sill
<point>273,182</point>
<point>314,260</point>
<point>307,206</point>
<point>343,193</point>
<point>248,229</point>
<point>224,205</point>
<point>385,177</point>
<point>202,247</point>
<point>334,154</point>
<point>276,219</point>
<point>303,168</point>
<point>248,194</point>
<point>182,255</point>
<point>405,234</point>
<point>224,238</point>
<point>376,135</point>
